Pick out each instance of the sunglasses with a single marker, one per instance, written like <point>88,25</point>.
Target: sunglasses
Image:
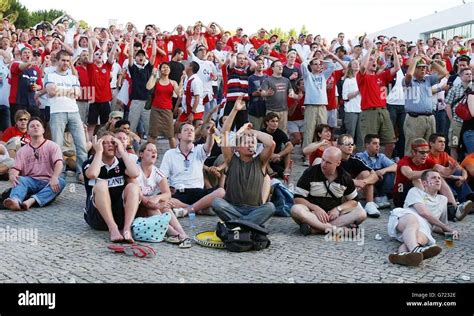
<point>423,152</point>
<point>36,153</point>
<point>23,119</point>
<point>187,163</point>
<point>349,144</point>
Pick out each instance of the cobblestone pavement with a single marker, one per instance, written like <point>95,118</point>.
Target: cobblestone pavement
<point>68,251</point>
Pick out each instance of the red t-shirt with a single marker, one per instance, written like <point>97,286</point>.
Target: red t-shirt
<point>318,153</point>
<point>373,89</point>
<point>407,161</point>
<point>211,40</point>
<point>179,41</point>
<point>234,39</point>
<point>159,58</point>
<point>85,82</point>
<point>163,97</point>
<point>15,132</point>
<point>442,159</point>
<point>331,86</point>
<point>298,114</point>
<point>256,42</point>
<point>100,81</point>
<point>122,55</point>
<point>280,56</point>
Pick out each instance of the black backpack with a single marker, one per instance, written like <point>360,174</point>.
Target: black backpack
<point>240,235</point>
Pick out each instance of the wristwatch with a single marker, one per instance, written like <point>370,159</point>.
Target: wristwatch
<point>339,208</point>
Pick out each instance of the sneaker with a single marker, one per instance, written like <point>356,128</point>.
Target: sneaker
<point>406,258</point>
<point>386,202</point>
<point>179,212</point>
<point>305,229</point>
<point>372,210</point>
<point>306,163</point>
<point>428,251</point>
<point>379,201</point>
<point>463,209</point>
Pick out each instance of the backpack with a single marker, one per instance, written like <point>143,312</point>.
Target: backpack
<point>282,198</point>
<point>241,235</point>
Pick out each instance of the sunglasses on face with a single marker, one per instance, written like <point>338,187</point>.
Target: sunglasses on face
<point>348,144</point>
<point>23,119</point>
<point>423,152</point>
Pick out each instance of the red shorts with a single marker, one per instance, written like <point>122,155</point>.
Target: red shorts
<point>184,117</point>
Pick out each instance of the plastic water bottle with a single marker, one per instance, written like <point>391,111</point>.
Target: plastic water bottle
<point>192,219</point>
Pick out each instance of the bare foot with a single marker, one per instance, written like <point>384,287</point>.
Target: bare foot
<point>26,205</point>
<point>127,235</point>
<point>12,204</point>
<point>116,236</point>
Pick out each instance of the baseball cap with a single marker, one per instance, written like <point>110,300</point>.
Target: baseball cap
<point>378,42</point>
<point>421,63</point>
<point>141,51</point>
<point>302,35</point>
<point>116,114</point>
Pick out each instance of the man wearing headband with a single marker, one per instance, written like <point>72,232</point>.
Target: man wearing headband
<point>409,172</point>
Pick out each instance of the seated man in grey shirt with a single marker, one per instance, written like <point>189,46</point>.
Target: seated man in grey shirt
<point>245,174</point>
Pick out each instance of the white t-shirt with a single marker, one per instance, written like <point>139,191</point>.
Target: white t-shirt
<point>350,86</point>
<point>396,94</point>
<point>5,156</point>
<point>196,92</point>
<point>206,68</point>
<point>150,186</point>
<point>114,75</point>
<point>437,205</point>
<point>62,103</point>
<point>4,85</point>
<point>182,174</point>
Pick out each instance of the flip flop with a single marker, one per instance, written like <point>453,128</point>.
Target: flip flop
<point>136,250</point>
<point>173,239</point>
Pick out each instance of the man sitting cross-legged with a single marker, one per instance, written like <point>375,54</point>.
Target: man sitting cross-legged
<point>320,194</point>
<point>245,174</point>
<point>36,171</point>
<point>111,202</point>
<point>424,211</point>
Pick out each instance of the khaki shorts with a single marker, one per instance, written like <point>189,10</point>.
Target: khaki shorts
<point>161,123</point>
<point>377,121</point>
<point>454,134</point>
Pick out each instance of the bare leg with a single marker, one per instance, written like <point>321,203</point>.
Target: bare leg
<point>131,200</point>
<point>356,216</point>
<point>266,188</point>
<point>408,226</point>
<point>302,215</point>
<point>206,201</point>
<point>175,225</point>
<point>104,206</point>
<point>369,188</point>
<point>90,130</point>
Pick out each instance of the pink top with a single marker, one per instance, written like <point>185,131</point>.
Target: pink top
<point>41,165</point>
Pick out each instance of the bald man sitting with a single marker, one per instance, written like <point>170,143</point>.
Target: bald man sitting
<point>326,197</point>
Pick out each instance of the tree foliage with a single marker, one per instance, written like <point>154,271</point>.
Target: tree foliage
<point>285,35</point>
<point>22,17</point>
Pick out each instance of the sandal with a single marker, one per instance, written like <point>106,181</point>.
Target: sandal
<point>173,239</point>
<point>186,243</point>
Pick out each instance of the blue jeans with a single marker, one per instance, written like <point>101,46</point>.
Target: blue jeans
<point>461,191</point>
<point>255,214</point>
<point>442,123</point>
<point>397,116</point>
<point>468,139</point>
<point>385,186</point>
<point>58,124</point>
<point>37,189</point>
<point>4,117</point>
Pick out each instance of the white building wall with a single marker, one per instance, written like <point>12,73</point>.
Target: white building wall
<point>413,30</point>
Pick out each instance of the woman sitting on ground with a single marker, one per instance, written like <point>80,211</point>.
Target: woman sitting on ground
<point>324,140</point>
<point>155,193</point>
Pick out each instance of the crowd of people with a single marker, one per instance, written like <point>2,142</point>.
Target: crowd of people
<point>234,108</point>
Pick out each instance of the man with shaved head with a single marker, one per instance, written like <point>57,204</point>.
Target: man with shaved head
<point>326,196</point>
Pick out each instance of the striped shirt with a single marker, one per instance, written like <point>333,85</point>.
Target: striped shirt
<point>238,83</point>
